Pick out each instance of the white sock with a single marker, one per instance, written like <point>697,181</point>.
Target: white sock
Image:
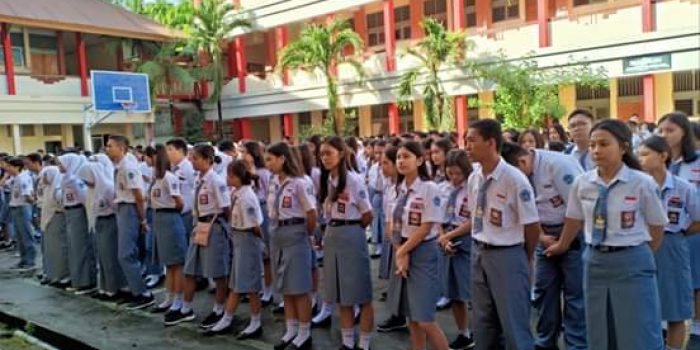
<point>218,308</point>
<point>186,307</point>
<point>357,311</point>
<point>326,311</point>
<point>467,333</point>
<point>267,293</point>
<point>304,333</point>
<point>146,294</point>
<point>348,337</point>
<point>365,339</point>
<point>314,299</point>
<point>253,325</point>
<point>166,304</point>
<point>224,322</point>
<point>292,330</point>
<point>177,302</point>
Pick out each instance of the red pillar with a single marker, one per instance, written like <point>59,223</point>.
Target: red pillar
<point>543,22</point>
<point>416,13</point>
<point>649,99</point>
<point>360,21</point>
<point>282,39</point>
<point>245,128</point>
<point>483,13</point>
<point>231,60</point>
<point>390,48</point>
<point>82,64</point>
<point>458,23</point>
<point>394,119</point>
<point>648,24</point>
<point>9,59</point>
<point>61,53</point>
<point>241,69</point>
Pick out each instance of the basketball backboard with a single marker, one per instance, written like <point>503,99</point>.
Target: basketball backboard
<point>120,92</point>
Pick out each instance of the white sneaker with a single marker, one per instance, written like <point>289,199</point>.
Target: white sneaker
<point>695,328</point>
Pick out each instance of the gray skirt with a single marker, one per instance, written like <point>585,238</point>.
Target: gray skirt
<point>56,248</point>
<point>81,249</point>
<point>415,296</point>
<point>290,255</point>
<point>386,259</point>
<point>170,242</point>
<point>458,269</point>
<point>346,266</point>
<point>246,266</point>
<point>674,278</point>
<point>111,276</point>
<point>214,260</point>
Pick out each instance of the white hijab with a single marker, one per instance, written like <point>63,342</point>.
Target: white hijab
<point>53,196</point>
<point>99,172</point>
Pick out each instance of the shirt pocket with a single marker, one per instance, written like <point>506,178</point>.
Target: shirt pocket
<point>496,215</point>
<point>624,218</point>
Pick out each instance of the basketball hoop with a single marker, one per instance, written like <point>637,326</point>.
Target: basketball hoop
<point>128,108</point>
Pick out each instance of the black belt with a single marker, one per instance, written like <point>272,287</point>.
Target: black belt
<point>449,227</point>
<point>77,206</point>
<point>487,246</point>
<point>552,230</point>
<point>246,230</point>
<point>610,249</point>
<point>167,210</point>
<point>290,222</point>
<point>207,218</point>
<point>681,232</point>
<point>404,239</point>
<point>336,223</point>
<point>108,216</point>
<point>125,203</point>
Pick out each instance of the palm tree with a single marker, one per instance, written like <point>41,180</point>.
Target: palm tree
<point>320,48</point>
<point>214,20</point>
<point>437,47</point>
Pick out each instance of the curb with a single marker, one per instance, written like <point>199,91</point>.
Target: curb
<point>43,333</point>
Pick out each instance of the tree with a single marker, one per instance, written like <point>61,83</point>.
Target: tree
<point>438,47</point>
<point>214,20</point>
<point>320,48</point>
<point>527,94</point>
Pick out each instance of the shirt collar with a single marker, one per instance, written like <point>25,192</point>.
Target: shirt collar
<point>413,186</point>
<point>623,175</point>
<point>668,182</point>
<point>496,173</point>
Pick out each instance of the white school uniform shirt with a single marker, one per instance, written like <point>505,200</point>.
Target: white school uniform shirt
<point>263,184</point>
<point>509,205</point>
<point>461,211</point>
<point>245,209</point>
<point>220,168</point>
<point>212,194</point>
<point>163,191</point>
<point>553,175</point>
<point>22,186</point>
<point>633,203</point>
<point>361,163</point>
<point>316,179</point>
<point>425,204</point>
<point>147,174</point>
<point>38,188</point>
<point>352,203</point>
<point>186,174</point>
<point>681,202</point>
<point>373,175</point>
<point>689,171</point>
<point>583,157</point>
<point>103,190</point>
<point>296,197</point>
<point>128,178</point>
<point>389,198</point>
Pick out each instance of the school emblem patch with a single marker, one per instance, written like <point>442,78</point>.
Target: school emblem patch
<point>363,194</point>
<point>436,201</point>
<point>525,195</point>
<point>568,179</point>
<point>251,211</point>
<point>130,175</point>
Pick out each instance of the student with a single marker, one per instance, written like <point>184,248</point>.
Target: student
<point>696,131</point>
<point>673,257</point>
<point>98,175</point>
<point>181,167</point>
<point>456,244</point>
<point>346,268</point>
<point>252,154</point>
<point>53,225</point>
<point>6,180</point>
<point>620,212</point>
<point>208,255</point>
<point>416,214</point>
<point>552,175</point>
<point>153,270</point>
<point>685,163</point>
<point>246,238</point>
<point>131,218</point>
<point>580,122</point>
<point>292,208</point>
<point>557,134</point>
<point>438,154</point>
<point>505,228</point>
<point>20,205</point>
<point>169,242</point>
<point>531,139</point>
<point>376,195</point>
<point>81,250</point>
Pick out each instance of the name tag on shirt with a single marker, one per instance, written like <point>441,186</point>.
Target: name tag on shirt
<point>341,208</point>
<point>464,209</point>
<point>556,201</point>
<point>675,202</point>
<point>496,217</point>
<point>69,197</point>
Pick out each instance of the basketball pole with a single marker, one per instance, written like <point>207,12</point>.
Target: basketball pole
<point>91,118</point>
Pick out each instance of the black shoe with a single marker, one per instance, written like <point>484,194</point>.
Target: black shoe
<point>305,346</point>
<point>346,348</point>
<point>537,347</point>
<point>282,345</point>
<point>375,256</point>
<point>278,309</point>
<point>244,299</point>
<point>382,297</point>
<point>160,309</point>
<point>44,281</point>
<point>140,302</point>
<point>60,285</point>
<point>174,317</point>
<point>122,298</point>
<point>325,323</point>
<point>211,333</point>
<point>394,323</point>
<point>252,335</point>
<point>101,296</point>
<point>462,343</point>
<point>266,303</point>
<point>211,320</point>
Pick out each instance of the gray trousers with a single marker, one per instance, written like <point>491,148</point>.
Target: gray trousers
<point>129,230</point>
<point>106,235</point>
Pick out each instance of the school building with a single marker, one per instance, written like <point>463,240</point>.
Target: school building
<point>48,49</point>
<point>650,49</point>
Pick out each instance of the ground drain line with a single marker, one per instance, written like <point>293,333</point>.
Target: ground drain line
<point>32,340</point>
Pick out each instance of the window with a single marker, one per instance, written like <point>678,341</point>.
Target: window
<point>26,130</point>
<point>304,119</point>
<point>470,13</point>
<point>52,129</point>
<point>629,86</point>
<point>402,17</point>
<point>686,81</point>
<point>406,119</point>
<point>380,119</point>
<point>588,2</point>
<point>436,9</point>
<point>589,93</point>
<point>43,43</point>
<point>375,29</point>
<point>502,10</point>
<point>686,92</point>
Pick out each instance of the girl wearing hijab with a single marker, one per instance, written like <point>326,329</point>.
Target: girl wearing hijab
<point>53,224</point>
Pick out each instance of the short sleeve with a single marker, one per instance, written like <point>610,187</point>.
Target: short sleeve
<point>651,205</point>
<point>26,187</point>
<point>693,206</point>
<point>252,214</point>
<point>173,184</point>
<point>525,203</point>
<point>574,209</point>
<point>305,191</point>
<point>434,209</point>
<point>362,196</point>
<point>134,181</point>
<point>221,192</point>
<point>565,173</point>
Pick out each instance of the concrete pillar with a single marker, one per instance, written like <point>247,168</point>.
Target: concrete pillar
<point>16,139</point>
<point>316,119</point>
<point>648,98</point>
<point>365,120</point>
<point>67,138</point>
<point>613,98</point>
<point>567,98</point>
<point>484,111</point>
<point>663,90</point>
<point>275,129</point>
<point>418,115</point>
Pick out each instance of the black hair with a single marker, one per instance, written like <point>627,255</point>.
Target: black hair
<point>205,151</point>
<point>561,132</point>
<point>305,158</point>
<point>316,140</point>
<point>458,158</point>
<point>514,133</point>
<point>696,129</point>
<point>511,152</point>
<point>226,146</point>
<point>178,143</point>
<point>121,140</point>
<point>539,140</point>
<point>161,164</point>
<point>149,152</point>
<point>658,144</point>
<point>580,111</point>
<point>337,143</point>
<point>417,150</point>
<point>290,166</point>
<point>390,152</point>
<point>426,144</point>
<point>380,143</point>
<point>623,135</point>
<point>445,145</point>
<point>34,158</point>
<point>239,169</point>
<point>256,151</point>
<point>688,141</point>
<point>489,129</point>
<point>557,146</point>
<point>17,162</point>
